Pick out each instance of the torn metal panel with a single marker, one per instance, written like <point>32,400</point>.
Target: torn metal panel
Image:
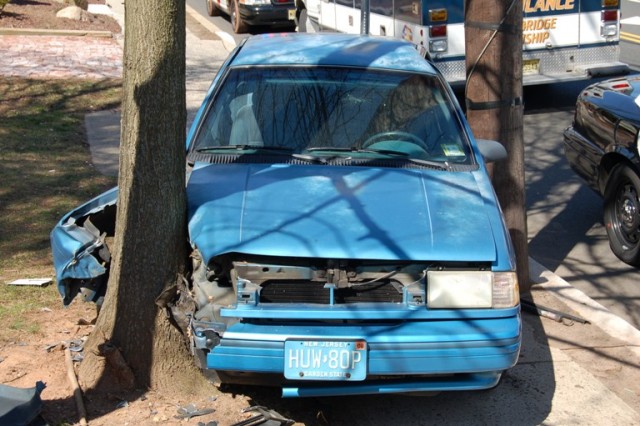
<point>80,253</point>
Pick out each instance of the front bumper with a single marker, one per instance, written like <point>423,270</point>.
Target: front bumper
<point>403,356</point>
<point>281,15</point>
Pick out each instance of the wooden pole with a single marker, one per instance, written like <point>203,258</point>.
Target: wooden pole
<point>495,109</point>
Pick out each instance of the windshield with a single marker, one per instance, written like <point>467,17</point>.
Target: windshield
<point>333,111</point>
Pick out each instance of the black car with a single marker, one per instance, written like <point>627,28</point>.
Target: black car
<point>246,13</point>
<point>602,147</point>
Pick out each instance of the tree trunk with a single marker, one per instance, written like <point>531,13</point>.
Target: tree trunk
<point>150,245</point>
<point>493,34</point>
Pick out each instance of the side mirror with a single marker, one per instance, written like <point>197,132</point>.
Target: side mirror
<point>491,151</point>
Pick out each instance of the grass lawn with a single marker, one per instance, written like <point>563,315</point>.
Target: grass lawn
<point>45,170</point>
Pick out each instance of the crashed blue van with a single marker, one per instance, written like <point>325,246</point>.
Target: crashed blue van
<point>345,236</point>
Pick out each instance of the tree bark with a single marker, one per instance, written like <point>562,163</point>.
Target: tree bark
<point>150,245</point>
<point>493,34</point>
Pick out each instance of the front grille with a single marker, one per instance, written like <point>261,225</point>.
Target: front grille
<point>314,292</point>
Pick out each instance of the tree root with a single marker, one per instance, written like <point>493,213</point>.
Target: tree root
<point>118,365</point>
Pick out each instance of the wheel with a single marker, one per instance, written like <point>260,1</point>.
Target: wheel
<point>396,134</point>
<point>239,27</point>
<point>301,20</point>
<point>622,214</point>
<point>212,9</point>
<point>301,16</point>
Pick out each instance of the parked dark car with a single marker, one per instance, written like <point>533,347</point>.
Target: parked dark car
<point>602,147</point>
<point>346,238</point>
<point>246,13</point>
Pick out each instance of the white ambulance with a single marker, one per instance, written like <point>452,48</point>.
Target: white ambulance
<point>562,39</point>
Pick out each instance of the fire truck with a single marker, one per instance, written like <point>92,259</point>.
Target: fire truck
<point>562,39</point>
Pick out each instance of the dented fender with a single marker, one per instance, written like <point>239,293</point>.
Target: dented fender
<point>75,240</point>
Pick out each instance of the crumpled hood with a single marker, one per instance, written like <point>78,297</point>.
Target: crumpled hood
<point>339,213</point>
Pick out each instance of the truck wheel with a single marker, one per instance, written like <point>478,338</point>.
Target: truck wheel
<point>301,20</point>
<point>212,9</point>
<point>622,214</point>
<point>239,27</point>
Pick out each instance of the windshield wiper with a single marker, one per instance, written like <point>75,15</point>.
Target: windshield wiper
<point>385,152</point>
<point>405,156</point>
<point>437,164</point>
<point>330,148</point>
<point>321,159</point>
<point>313,158</point>
<point>430,163</point>
<point>355,149</point>
<point>244,148</point>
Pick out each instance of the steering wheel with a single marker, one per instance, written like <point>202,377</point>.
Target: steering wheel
<point>396,134</point>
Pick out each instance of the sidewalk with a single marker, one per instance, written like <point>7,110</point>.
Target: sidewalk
<point>568,373</point>
<point>49,56</point>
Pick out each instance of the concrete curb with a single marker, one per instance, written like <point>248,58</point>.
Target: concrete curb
<point>227,40</point>
<point>46,32</point>
<point>585,306</point>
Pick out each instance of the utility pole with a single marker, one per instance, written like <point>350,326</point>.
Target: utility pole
<point>493,34</point>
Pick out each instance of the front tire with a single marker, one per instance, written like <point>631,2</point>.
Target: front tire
<point>622,214</point>
<point>212,9</point>
<point>239,26</point>
<point>301,16</point>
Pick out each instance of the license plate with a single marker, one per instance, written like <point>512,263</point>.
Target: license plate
<point>531,66</point>
<point>292,14</point>
<point>325,360</point>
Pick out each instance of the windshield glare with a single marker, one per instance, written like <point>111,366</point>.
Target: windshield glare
<point>334,111</point>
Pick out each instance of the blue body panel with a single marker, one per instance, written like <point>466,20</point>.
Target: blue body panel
<point>71,245</point>
<point>470,381</point>
<point>455,11</point>
<point>340,213</point>
<point>361,311</point>
<point>445,347</point>
<point>331,50</point>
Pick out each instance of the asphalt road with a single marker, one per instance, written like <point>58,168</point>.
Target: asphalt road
<point>564,217</point>
<point>630,33</point>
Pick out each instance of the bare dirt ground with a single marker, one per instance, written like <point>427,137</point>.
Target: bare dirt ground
<point>41,357</point>
<point>41,14</point>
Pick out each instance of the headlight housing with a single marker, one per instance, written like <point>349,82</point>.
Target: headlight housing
<point>472,289</point>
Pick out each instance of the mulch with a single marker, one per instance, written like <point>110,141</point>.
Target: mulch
<point>21,14</point>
